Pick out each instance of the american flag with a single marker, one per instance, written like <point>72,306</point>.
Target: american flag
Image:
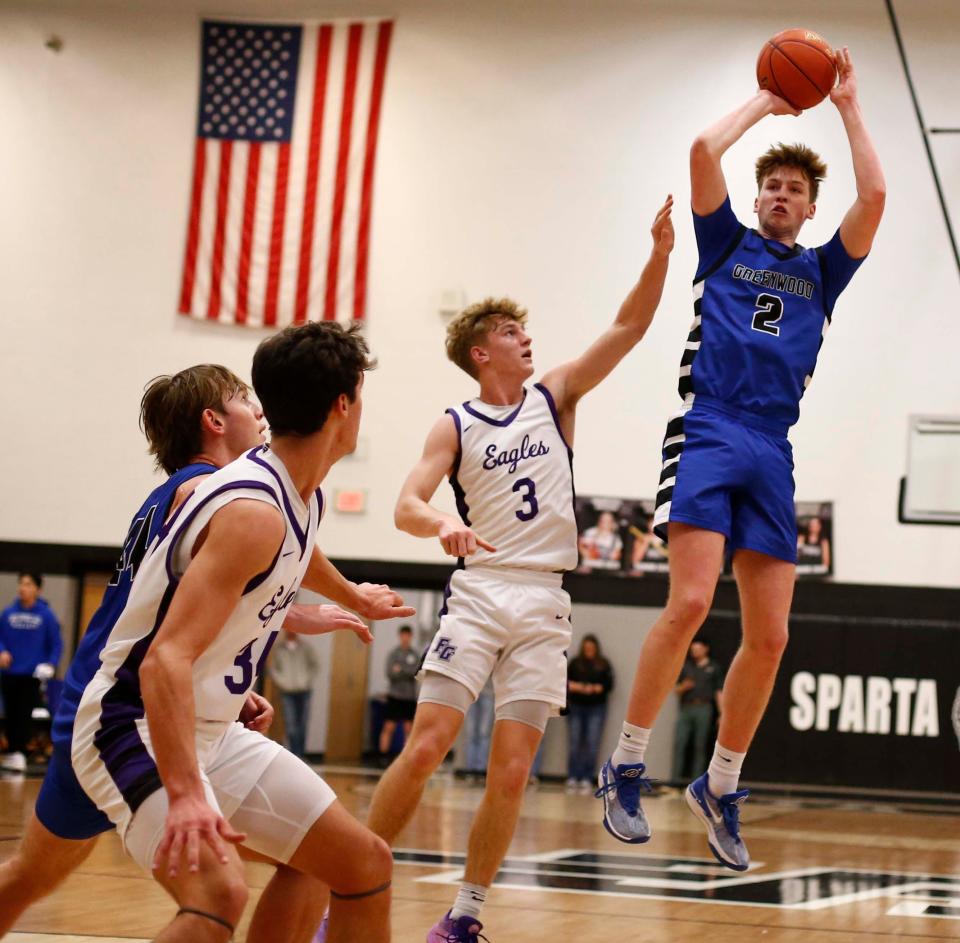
<point>279,224</point>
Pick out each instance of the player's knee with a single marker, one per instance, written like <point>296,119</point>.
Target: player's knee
<point>769,645</point>
<point>688,608</point>
<point>379,860</point>
<point>370,867</point>
<point>23,881</point>
<point>224,894</point>
<point>425,751</point>
<point>14,882</point>
<point>509,777</point>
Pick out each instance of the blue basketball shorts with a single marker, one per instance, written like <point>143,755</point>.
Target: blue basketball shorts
<point>62,806</point>
<point>723,473</point>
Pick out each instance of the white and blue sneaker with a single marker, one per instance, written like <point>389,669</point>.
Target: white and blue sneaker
<point>620,790</point>
<point>721,817</point>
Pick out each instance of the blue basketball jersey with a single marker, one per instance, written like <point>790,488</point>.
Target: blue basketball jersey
<point>144,528</point>
<point>761,311</point>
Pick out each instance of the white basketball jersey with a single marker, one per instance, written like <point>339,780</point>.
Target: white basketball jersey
<point>226,671</point>
<point>513,481</point>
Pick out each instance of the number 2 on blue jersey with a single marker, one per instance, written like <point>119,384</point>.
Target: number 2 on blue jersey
<point>769,311</point>
<point>530,498</point>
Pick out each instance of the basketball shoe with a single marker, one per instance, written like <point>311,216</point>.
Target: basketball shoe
<point>620,790</point>
<point>465,929</point>
<point>721,817</point>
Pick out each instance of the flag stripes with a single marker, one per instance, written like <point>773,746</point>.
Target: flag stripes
<point>278,231</point>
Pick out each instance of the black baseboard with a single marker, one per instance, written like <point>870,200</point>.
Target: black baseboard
<point>847,600</point>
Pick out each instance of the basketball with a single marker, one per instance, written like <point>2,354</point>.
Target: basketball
<point>798,66</point>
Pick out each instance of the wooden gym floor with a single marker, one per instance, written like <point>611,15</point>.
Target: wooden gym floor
<point>824,873</point>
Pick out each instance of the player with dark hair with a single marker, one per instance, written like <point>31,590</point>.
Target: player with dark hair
<point>156,746</point>
<point>196,421</point>
<point>762,304</point>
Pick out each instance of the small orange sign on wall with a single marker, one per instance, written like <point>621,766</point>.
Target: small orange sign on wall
<point>350,501</point>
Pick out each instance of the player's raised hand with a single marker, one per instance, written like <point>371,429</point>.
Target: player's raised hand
<point>257,713</point>
<point>779,106</point>
<point>190,821</point>
<point>379,601</point>
<point>845,91</point>
<point>458,540</point>
<point>319,620</point>
<point>662,229</point>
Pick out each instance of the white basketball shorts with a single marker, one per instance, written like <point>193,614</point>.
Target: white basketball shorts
<point>510,623</point>
<point>258,786</point>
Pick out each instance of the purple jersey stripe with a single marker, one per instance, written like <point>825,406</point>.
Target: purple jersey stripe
<point>497,422</point>
<point>300,534</point>
<point>459,494</point>
<point>230,486</point>
<point>118,740</point>
<point>548,396</point>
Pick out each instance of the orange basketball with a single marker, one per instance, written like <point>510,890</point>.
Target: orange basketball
<point>798,66</point>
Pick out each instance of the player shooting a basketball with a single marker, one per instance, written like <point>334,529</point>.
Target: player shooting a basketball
<point>762,304</point>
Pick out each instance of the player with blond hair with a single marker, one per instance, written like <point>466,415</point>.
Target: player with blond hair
<point>508,456</point>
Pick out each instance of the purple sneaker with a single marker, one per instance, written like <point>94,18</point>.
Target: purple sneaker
<point>465,929</point>
<point>321,935</point>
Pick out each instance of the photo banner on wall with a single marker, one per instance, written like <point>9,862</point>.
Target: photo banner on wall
<point>281,200</point>
<point>616,538</point>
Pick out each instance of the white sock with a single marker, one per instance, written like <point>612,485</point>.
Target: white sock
<point>469,900</point>
<point>724,771</point>
<point>631,746</point>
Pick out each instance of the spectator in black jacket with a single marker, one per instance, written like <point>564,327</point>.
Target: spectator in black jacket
<point>589,683</point>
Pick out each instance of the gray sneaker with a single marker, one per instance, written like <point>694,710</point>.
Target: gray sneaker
<point>721,818</point>
<point>620,790</point>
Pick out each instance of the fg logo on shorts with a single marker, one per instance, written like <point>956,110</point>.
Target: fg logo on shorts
<point>444,650</point>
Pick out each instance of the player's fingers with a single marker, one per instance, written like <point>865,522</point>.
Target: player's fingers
<point>486,546</point>
<point>403,612</point>
<point>163,849</point>
<point>364,634</point>
<point>193,851</point>
<point>173,855</point>
<point>230,834</point>
<point>216,846</point>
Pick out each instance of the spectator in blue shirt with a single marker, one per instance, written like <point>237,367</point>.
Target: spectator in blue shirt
<point>30,649</point>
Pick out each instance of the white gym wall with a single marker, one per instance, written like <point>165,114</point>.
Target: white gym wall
<point>524,149</point>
